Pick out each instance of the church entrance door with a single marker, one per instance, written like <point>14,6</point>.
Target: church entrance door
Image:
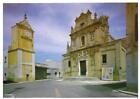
<point>83,68</point>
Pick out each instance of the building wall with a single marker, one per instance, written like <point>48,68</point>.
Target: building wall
<point>19,66</point>
<point>132,71</point>
<point>97,63</point>
<point>12,64</point>
<point>53,73</point>
<point>15,36</point>
<point>123,64</point>
<point>110,52</point>
<point>132,45</point>
<point>40,73</point>
<point>26,45</point>
<point>93,57</point>
<point>116,55</point>
<point>108,67</point>
<point>13,56</point>
<point>27,57</point>
<point>27,69</point>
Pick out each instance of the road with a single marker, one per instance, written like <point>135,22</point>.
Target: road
<point>57,88</point>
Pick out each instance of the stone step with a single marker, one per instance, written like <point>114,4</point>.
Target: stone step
<point>81,78</point>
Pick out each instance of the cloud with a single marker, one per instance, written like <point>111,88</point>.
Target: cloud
<point>8,22</point>
<point>51,37</point>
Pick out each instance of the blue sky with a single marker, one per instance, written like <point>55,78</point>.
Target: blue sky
<point>52,24</point>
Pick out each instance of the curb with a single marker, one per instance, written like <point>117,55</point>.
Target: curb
<point>127,92</point>
<point>8,96</point>
<point>103,82</point>
<point>27,82</point>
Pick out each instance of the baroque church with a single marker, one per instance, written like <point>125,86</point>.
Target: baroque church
<point>21,55</point>
<point>93,52</point>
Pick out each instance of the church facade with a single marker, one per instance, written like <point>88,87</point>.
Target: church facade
<point>93,52</point>
<point>21,55</point>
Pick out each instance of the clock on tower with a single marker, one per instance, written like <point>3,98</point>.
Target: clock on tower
<point>28,34</point>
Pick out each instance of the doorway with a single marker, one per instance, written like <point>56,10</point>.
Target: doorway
<point>27,76</point>
<point>83,69</point>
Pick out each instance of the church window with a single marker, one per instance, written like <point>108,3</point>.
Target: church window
<point>104,58</point>
<point>91,36</point>
<point>82,24</point>
<point>69,63</point>
<point>83,40</point>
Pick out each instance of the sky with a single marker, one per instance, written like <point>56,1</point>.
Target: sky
<point>52,23</point>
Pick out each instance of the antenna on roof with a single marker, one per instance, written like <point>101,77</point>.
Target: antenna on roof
<point>25,16</point>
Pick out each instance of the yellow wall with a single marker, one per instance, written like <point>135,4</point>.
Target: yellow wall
<point>26,56</point>
<point>26,43</point>
<point>110,58</point>
<point>14,37</point>
<point>12,64</point>
<point>12,58</point>
<point>27,69</point>
<point>20,40</point>
<point>98,64</point>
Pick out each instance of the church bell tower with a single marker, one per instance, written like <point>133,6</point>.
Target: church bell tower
<point>21,55</point>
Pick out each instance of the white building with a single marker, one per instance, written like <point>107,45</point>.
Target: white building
<point>54,70</point>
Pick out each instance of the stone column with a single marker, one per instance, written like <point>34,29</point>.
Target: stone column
<point>117,62</point>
